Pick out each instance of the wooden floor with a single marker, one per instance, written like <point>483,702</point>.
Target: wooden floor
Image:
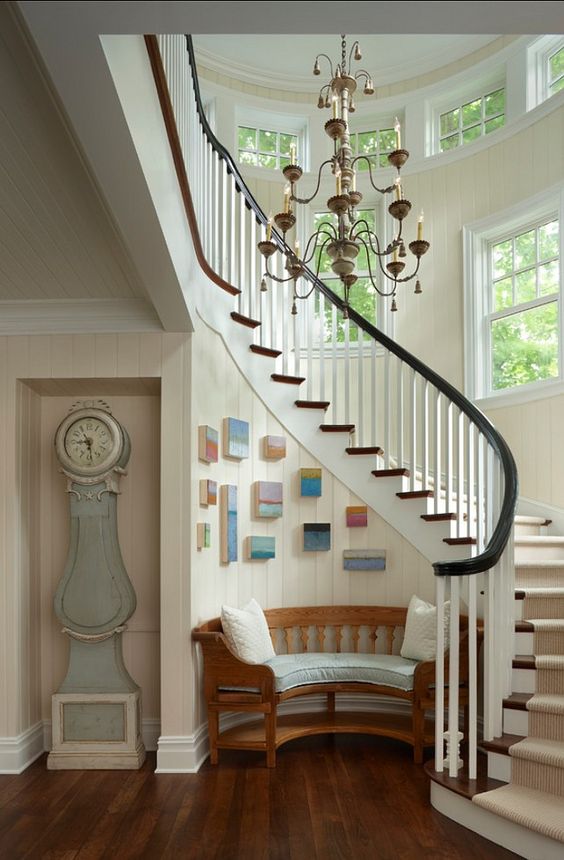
<point>329,797</point>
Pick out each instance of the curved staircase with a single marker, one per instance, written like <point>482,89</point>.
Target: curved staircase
<point>404,440</point>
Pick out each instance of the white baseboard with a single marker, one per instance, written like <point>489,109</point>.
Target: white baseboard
<point>524,842</point>
<point>182,753</point>
<point>17,753</point>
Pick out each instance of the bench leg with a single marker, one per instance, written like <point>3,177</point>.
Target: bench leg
<point>418,722</point>
<point>270,729</point>
<point>331,703</point>
<point>213,734</point>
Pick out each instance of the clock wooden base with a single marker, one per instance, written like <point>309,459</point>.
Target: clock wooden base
<point>96,731</point>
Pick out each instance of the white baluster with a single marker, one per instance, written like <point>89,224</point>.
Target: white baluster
<point>216,212</point>
<point>321,317</point>
<point>413,431</point>
<point>252,245</point>
<point>360,389</point>
<point>460,476</point>
<point>454,655</point>
<point>400,414</point>
<point>243,286</point>
<point>232,234</point>
<point>480,493</point>
<point>284,312</point>
<point>472,679</point>
<point>424,433</point>
<point>437,464</point>
<point>387,410</point>
<point>373,394</point>
<point>470,487</point>
<point>440,673</point>
<point>224,220</point>
<point>347,370</point>
<point>310,333</point>
<point>335,367</point>
<point>296,333</point>
<point>274,291</point>
<point>449,456</point>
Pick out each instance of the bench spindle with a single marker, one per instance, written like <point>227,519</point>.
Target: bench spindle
<point>338,637</point>
<point>390,639</point>
<point>304,636</point>
<point>355,636</point>
<point>321,635</point>
<point>289,639</point>
<point>373,637</point>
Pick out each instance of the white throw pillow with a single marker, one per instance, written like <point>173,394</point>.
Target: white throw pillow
<point>420,637</point>
<point>246,631</point>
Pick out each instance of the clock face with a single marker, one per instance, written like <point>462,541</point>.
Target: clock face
<point>89,442</point>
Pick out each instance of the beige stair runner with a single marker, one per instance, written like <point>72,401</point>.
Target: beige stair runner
<point>534,797</point>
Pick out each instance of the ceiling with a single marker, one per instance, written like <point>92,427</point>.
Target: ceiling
<point>265,58</point>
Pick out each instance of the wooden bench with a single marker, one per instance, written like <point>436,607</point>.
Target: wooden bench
<point>232,685</point>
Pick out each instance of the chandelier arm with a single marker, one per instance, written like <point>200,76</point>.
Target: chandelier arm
<point>330,238</point>
<point>355,45</point>
<point>274,277</point>
<point>309,199</point>
<point>329,61</point>
<point>377,252</point>
<point>387,190</point>
<point>307,295</point>
<point>380,292</point>
<point>360,73</point>
<point>410,277</point>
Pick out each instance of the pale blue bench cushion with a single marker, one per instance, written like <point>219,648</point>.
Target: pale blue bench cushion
<point>386,670</point>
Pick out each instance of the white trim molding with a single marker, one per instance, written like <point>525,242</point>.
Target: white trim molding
<point>17,753</point>
<point>62,316</point>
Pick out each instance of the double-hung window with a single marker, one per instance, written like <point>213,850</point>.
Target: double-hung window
<point>513,290</point>
<point>469,120</point>
<point>263,147</point>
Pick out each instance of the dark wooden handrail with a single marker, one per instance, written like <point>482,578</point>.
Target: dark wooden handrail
<point>502,532</point>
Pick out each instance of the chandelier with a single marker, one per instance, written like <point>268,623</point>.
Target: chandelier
<point>342,240</point>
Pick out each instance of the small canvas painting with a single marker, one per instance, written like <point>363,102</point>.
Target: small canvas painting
<point>261,547</point>
<point>203,535</point>
<point>317,537</point>
<point>357,516</point>
<point>235,438</point>
<point>364,559</point>
<point>274,447</point>
<point>208,444</point>
<point>310,482</point>
<point>268,499</point>
<point>228,499</point>
<point>208,492</point>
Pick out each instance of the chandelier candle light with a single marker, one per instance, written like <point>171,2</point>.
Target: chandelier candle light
<point>343,241</point>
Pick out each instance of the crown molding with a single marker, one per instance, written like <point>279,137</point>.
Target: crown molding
<point>62,316</point>
<point>286,81</point>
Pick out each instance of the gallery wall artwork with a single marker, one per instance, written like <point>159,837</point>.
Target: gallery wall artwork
<point>317,537</point>
<point>208,444</point>
<point>203,535</point>
<point>310,482</point>
<point>268,499</point>
<point>274,447</point>
<point>208,492</point>
<point>364,559</point>
<point>260,547</point>
<point>228,522</point>
<point>235,438</point>
<point>357,516</point>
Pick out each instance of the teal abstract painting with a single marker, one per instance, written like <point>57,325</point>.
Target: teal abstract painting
<point>268,499</point>
<point>310,482</point>
<point>228,518</point>
<point>261,547</point>
<point>235,438</point>
<point>317,537</point>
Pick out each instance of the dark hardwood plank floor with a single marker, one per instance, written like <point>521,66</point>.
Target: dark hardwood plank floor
<point>330,797</point>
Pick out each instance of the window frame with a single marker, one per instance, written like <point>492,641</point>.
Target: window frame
<point>458,104</point>
<point>277,154</point>
<point>478,239</point>
<point>294,124</point>
<point>548,56</point>
<point>376,126</point>
<point>538,56</point>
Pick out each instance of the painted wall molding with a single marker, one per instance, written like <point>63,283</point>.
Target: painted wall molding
<point>17,753</point>
<point>59,316</point>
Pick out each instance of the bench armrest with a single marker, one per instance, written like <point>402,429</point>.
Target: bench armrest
<point>224,670</point>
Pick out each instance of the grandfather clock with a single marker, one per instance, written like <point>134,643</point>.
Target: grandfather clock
<point>97,708</point>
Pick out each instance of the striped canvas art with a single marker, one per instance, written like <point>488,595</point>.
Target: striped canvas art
<point>364,559</point>
<point>310,482</point>
<point>357,516</point>
<point>228,519</point>
<point>274,447</point>
<point>261,547</point>
<point>208,492</point>
<point>207,444</point>
<point>203,535</point>
<point>268,499</point>
<point>317,537</point>
<point>235,438</point>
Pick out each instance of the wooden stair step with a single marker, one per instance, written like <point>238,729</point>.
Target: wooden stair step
<point>243,320</point>
<point>290,380</point>
<point>519,594</point>
<point>438,518</point>
<point>524,661</point>
<point>501,744</point>
<point>524,627</point>
<point>390,473</point>
<point>337,428</point>
<point>265,350</point>
<point>416,494</point>
<point>370,450</point>
<point>460,541</point>
<point>313,404</point>
<point>517,701</point>
<point>461,784</point>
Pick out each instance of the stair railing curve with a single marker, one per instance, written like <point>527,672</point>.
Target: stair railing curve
<point>456,456</point>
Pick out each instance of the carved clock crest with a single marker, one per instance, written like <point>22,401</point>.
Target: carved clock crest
<point>96,710</point>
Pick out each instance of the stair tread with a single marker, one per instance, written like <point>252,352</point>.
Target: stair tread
<point>524,627</point>
<point>243,320</point>
<point>337,428</point>
<point>501,744</point>
<point>521,519</point>
<point>390,473</point>
<point>265,350</point>
<point>524,661</point>
<point>313,404</point>
<point>541,750</point>
<point>536,810</point>
<point>539,591</point>
<point>438,518</point>
<point>460,541</point>
<point>290,380</point>
<point>517,701</point>
<point>539,540</point>
<point>374,449</point>
<point>416,494</point>
<point>542,563</point>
